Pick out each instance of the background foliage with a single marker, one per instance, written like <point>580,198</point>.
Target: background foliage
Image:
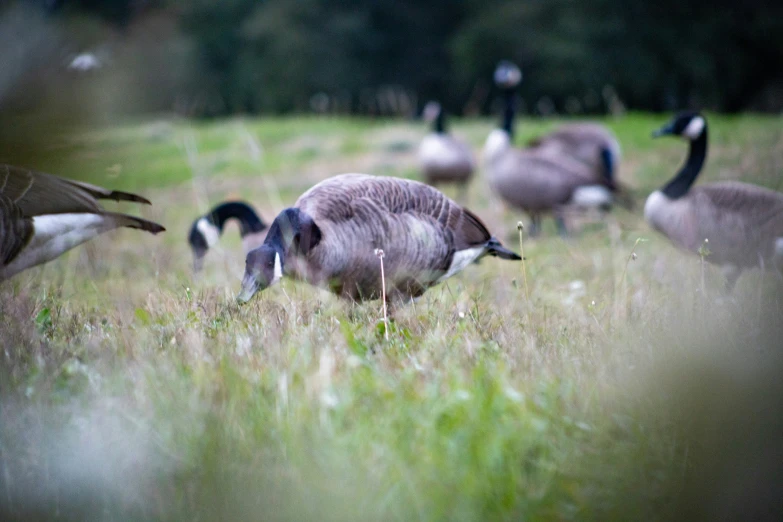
<point>388,56</point>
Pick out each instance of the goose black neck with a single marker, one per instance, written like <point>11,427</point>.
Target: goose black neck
<point>682,182</point>
<point>508,112</point>
<point>249,222</point>
<point>439,125</point>
<point>282,230</point>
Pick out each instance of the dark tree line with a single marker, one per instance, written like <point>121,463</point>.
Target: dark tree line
<point>253,56</point>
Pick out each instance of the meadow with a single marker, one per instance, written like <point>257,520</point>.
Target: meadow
<point>619,383</point>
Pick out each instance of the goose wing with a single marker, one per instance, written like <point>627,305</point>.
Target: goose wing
<point>741,221</point>
<point>15,230</point>
<point>36,193</point>
<point>332,200</point>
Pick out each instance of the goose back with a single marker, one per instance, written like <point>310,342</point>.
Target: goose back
<point>443,158</point>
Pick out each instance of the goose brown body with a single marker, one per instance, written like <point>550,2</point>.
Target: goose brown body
<point>534,182</point>
<point>425,237</point>
<point>442,157</point>
<point>42,216</point>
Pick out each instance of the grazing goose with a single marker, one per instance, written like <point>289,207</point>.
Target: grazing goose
<point>534,182</point>
<point>206,230</point>
<point>42,216</point>
<point>589,143</point>
<point>742,222</point>
<point>442,157</point>
<point>330,236</point>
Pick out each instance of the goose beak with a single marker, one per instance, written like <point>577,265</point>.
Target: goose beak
<point>250,286</point>
<point>664,131</point>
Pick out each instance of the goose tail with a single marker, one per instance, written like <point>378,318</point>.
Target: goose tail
<point>124,220</point>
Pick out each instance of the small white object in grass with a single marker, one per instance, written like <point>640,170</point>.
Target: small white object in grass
<point>461,315</point>
<point>462,395</point>
<point>592,303</point>
<point>329,399</point>
<point>513,394</point>
<point>633,256</point>
<point>353,361</point>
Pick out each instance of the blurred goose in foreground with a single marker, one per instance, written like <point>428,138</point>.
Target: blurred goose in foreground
<point>742,223</point>
<point>206,230</point>
<point>42,216</point>
<point>442,157</point>
<point>329,238</point>
<point>534,182</point>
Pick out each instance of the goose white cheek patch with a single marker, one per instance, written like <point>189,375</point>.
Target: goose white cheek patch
<point>694,128</point>
<point>278,273</point>
<point>209,231</point>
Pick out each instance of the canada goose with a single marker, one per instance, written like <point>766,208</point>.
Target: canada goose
<point>590,143</point>
<point>442,157</point>
<point>742,223</point>
<point>595,146</point>
<point>207,229</point>
<point>43,216</point>
<point>533,182</point>
<point>330,236</point>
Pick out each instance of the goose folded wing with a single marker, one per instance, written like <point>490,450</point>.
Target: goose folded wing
<point>403,196</point>
<point>15,230</point>
<point>36,193</point>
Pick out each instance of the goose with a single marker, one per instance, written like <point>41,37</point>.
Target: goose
<point>531,181</point>
<point>207,229</point>
<point>442,157</point>
<point>42,216</point>
<point>595,146</point>
<point>330,236</point>
<point>590,143</point>
<point>742,223</point>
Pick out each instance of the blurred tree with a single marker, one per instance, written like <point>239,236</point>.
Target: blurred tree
<point>577,56</point>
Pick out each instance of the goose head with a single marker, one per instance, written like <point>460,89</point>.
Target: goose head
<point>689,125</point>
<point>507,75</point>
<point>203,235</point>
<point>263,268</point>
<point>292,233</point>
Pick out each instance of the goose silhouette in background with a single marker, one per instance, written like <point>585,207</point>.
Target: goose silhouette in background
<point>442,157</point>
<point>206,230</point>
<point>536,183</point>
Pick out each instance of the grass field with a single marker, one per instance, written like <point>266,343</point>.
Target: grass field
<point>133,391</point>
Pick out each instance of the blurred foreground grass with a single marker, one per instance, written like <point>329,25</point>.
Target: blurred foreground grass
<point>624,389</point>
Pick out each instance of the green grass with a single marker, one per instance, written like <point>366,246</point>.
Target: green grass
<point>132,390</point>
